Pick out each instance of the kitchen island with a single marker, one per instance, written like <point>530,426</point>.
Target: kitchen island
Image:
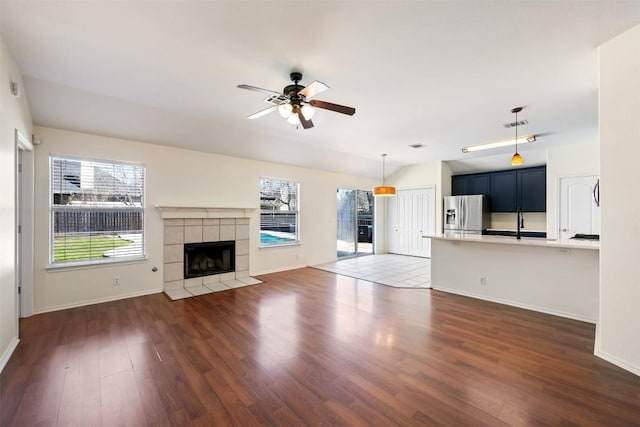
<point>558,277</point>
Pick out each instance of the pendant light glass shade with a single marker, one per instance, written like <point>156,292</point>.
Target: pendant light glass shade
<point>516,159</point>
<point>384,190</point>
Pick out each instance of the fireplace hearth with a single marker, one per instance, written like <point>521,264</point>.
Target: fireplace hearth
<point>209,258</point>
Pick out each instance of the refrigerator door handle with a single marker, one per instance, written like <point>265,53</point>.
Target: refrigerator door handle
<point>596,193</point>
<point>464,214</point>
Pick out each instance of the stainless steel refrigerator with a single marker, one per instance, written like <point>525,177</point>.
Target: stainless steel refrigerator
<point>466,214</point>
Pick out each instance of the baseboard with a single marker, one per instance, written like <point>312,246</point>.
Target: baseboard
<point>618,362</point>
<point>96,301</point>
<point>8,352</point>
<point>517,304</point>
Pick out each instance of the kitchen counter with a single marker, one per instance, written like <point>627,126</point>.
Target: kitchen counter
<point>525,241</point>
<point>558,277</point>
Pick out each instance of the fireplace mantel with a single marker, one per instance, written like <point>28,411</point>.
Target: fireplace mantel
<point>172,212</point>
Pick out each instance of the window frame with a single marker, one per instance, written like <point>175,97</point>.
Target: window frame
<point>95,262</point>
<point>294,242</point>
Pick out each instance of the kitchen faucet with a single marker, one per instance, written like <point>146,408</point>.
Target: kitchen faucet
<point>519,222</point>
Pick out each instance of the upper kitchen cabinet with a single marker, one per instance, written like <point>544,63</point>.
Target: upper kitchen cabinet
<point>503,191</point>
<point>532,189</point>
<point>480,183</point>
<point>460,185</point>
<point>508,190</point>
<point>477,183</point>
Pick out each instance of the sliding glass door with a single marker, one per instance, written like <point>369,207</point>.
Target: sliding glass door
<point>355,222</point>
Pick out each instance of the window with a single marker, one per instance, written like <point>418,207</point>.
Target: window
<point>97,211</point>
<point>278,212</point>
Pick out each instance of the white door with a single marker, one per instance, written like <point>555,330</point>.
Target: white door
<point>579,206</point>
<point>411,214</point>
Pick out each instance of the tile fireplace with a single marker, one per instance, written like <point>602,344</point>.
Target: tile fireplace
<point>224,265</point>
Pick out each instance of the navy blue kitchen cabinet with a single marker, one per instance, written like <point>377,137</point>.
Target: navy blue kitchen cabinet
<point>480,183</point>
<point>477,183</point>
<point>460,185</point>
<point>503,191</point>
<point>510,189</point>
<point>532,189</point>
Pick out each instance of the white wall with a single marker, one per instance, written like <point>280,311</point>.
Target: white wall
<point>618,332</point>
<point>563,161</point>
<point>435,173</point>
<point>14,114</point>
<point>177,177</point>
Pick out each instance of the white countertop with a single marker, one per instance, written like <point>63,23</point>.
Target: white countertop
<point>526,241</point>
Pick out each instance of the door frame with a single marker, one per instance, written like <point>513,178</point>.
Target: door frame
<point>24,223</point>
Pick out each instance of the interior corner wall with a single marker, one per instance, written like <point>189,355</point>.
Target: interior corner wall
<point>618,329</point>
<point>179,177</point>
<point>563,161</point>
<point>14,114</point>
<point>435,173</point>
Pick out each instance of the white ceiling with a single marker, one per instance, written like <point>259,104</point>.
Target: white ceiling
<point>444,74</point>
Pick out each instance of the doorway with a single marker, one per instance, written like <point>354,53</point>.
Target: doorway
<point>24,224</point>
<point>579,206</point>
<point>354,223</point>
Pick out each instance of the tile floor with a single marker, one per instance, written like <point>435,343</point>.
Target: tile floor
<point>399,271</point>
<point>181,293</point>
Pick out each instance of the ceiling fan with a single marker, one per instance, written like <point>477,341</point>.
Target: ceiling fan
<point>295,103</point>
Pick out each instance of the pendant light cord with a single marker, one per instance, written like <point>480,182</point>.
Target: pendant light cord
<point>516,132</point>
<point>383,159</point>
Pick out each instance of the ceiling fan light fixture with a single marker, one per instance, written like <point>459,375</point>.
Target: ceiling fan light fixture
<point>293,118</point>
<point>307,111</point>
<point>384,190</point>
<point>285,110</point>
<point>294,103</point>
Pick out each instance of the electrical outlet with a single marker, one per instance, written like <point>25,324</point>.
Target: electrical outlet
<point>483,281</point>
<point>116,281</point>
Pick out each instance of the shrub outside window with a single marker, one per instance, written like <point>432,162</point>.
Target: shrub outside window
<point>97,211</point>
<point>279,216</point>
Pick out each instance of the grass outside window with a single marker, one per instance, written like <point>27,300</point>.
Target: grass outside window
<point>76,248</point>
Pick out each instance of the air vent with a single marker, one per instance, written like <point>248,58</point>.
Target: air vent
<point>417,145</point>
<point>513,124</point>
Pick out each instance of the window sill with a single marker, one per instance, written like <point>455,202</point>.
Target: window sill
<point>280,245</point>
<point>83,265</point>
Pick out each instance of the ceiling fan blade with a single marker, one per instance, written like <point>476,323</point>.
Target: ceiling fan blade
<point>313,89</point>
<point>307,124</point>
<point>262,112</point>
<point>333,107</point>
<point>259,89</point>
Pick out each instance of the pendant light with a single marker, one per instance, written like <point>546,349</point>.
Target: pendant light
<point>384,190</point>
<point>516,159</point>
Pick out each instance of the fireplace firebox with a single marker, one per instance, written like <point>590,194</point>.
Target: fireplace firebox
<point>208,258</point>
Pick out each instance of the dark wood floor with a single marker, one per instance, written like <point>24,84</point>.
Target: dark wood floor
<point>311,348</point>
